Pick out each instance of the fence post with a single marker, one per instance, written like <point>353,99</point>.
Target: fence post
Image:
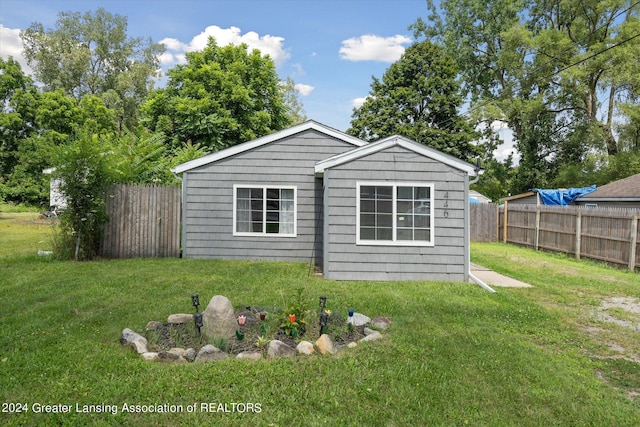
<point>504,222</point>
<point>536,236</point>
<point>634,241</point>
<point>578,234</point>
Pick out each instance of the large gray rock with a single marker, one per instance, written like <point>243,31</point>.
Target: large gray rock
<point>326,345</point>
<point>210,353</point>
<point>279,349</point>
<point>134,340</point>
<point>218,319</point>
<point>360,319</point>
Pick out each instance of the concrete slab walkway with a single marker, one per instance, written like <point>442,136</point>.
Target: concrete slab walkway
<point>492,278</point>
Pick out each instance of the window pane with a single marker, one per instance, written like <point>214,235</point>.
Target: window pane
<point>367,192</point>
<point>422,234</point>
<point>367,233</point>
<point>384,234</point>
<point>244,193</point>
<point>422,221</point>
<point>384,220</point>
<point>384,206</point>
<point>422,193</point>
<point>243,227</point>
<point>367,220</point>
<point>384,192</point>
<point>287,194</point>
<point>405,193</point>
<point>256,193</point>
<point>404,234</point>
<point>367,206</point>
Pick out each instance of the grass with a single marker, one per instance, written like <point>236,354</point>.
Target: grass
<point>455,354</point>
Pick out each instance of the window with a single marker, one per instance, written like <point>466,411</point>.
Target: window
<point>395,214</point>
<point>264,210</point>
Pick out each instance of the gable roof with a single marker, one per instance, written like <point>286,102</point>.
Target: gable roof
<point>392,141</point>
<point>623,190</point>
<point>250,145</point>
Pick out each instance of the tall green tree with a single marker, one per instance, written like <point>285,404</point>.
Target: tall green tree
<point>91,54</point>
<point>418,97</point>
<point>222,96</point>
<point>555,71</point>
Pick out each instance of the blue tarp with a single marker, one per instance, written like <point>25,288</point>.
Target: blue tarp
<point>562,197</point>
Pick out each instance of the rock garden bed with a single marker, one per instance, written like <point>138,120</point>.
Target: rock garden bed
<point>252,332</point>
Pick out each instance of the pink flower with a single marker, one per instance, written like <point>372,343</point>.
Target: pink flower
<point>242,320</point>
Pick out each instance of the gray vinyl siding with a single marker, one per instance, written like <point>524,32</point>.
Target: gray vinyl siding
<point>208,200</point>
<point>345,260</point>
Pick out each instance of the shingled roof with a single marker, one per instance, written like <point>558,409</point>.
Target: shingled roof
<point>627,189</point>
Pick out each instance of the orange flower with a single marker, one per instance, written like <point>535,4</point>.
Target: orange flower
<point>292,318</point>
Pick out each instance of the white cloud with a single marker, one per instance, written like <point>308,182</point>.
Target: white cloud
<point>371,47</point>
<point>357,102</point>
<point>12,46</point>
<point>304,89</point>
<point>267,44</point>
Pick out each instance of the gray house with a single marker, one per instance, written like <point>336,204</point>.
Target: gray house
<point>389,210</point>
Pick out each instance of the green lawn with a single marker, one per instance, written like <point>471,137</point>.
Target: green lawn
<point>455,354</point>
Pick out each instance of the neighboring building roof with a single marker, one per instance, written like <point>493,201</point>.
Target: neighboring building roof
<point>250,145</point>
<point>476,197</point>
<point>391,141</point>
<point>518,196</point>
<point>623,190</point>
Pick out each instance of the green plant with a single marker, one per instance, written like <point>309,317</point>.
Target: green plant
<point>293,318</point>
<point>262,342</point>
<point>85,177</point>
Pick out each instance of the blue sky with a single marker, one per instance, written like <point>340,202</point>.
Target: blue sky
<point>330,48</point>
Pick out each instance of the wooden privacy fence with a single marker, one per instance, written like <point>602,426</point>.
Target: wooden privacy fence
<point>605,234</point>
<point>484,222</point>
<point>144,221</point>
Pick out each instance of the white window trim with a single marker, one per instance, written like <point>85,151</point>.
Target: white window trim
<point>264,210</point>
<point>394,241</point>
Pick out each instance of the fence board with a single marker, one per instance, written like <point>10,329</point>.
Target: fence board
<point>484,222</point>
<point>144,221</point>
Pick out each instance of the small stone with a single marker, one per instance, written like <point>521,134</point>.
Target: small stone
<point>372,337</point>
<point>180,318</point>
<point>360,319</point>
<point>368,331</point>
<point>381,322</point>
<point>178,351</point>
<point>277,348</point>
<point>190,354</point>
<point>326,345</point>
<point>153,325</point>
<point>352,345</point>
<point>150,356</point>
<point>210,353</point>
<point>133,340</point>
<point>139,346</point>
<point>305,347</point>
<point>251,355</point>
<point>168,357</point>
